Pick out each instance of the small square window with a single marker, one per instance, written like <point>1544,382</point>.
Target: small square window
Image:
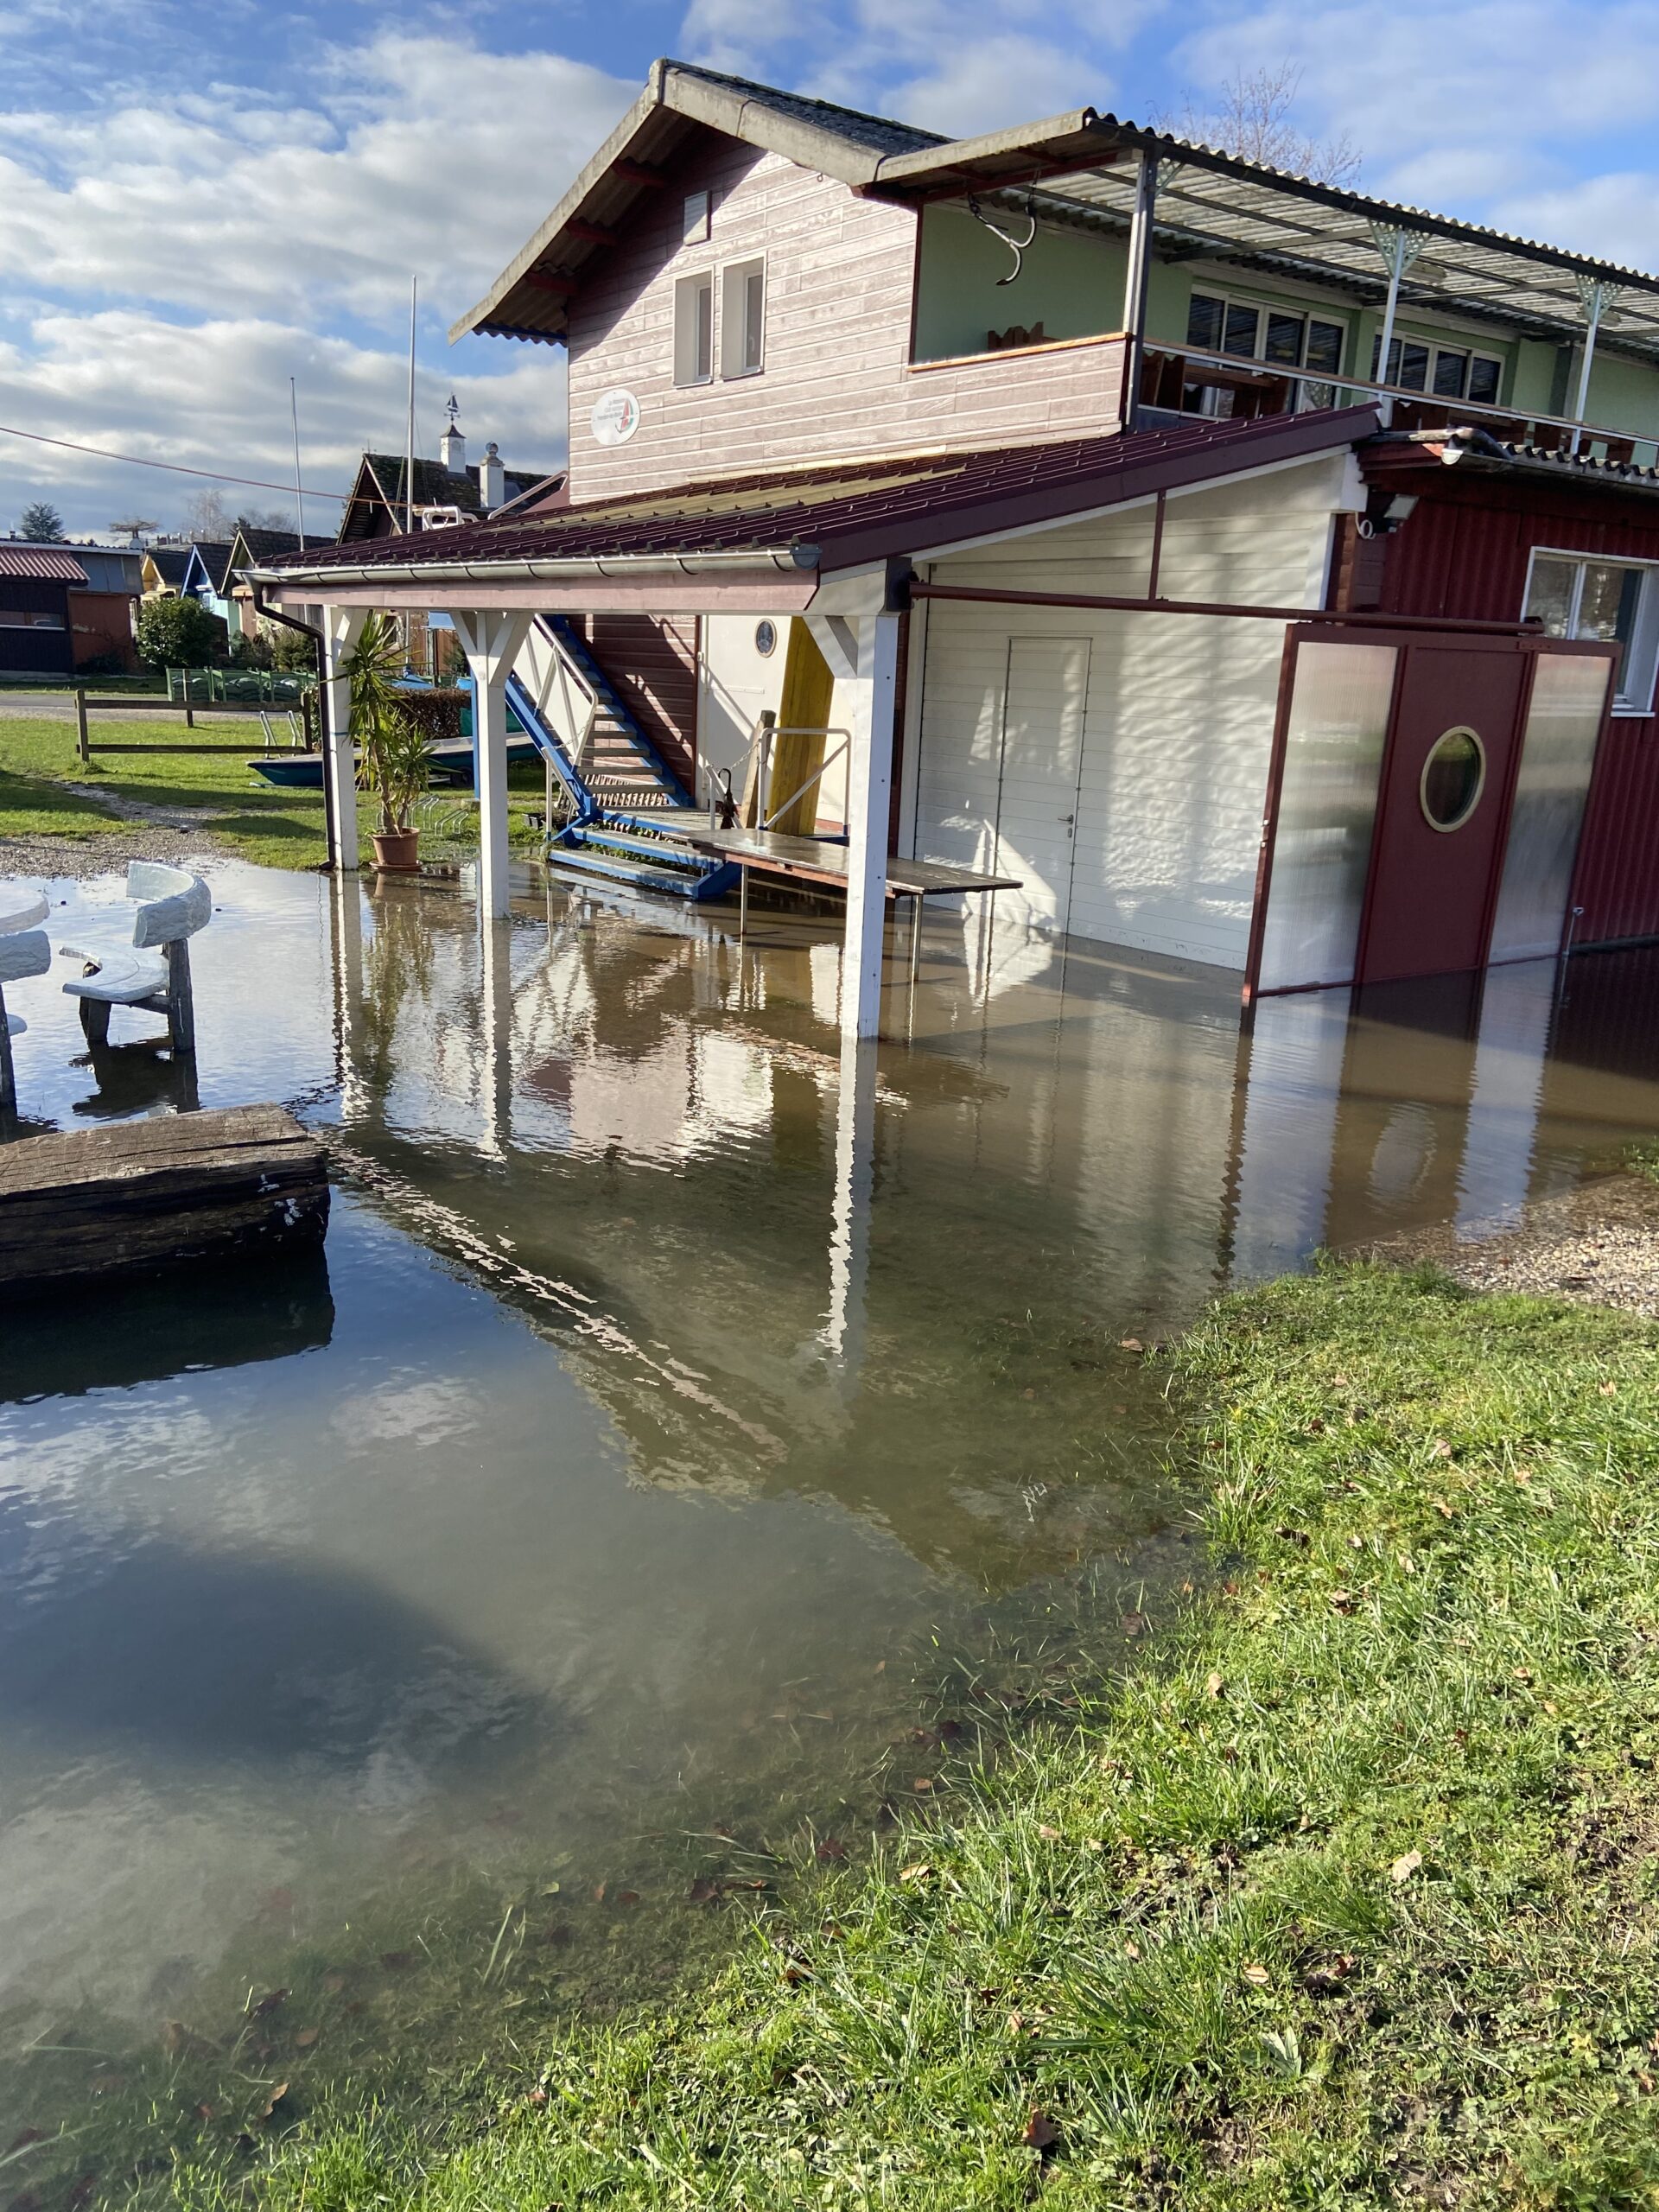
<point>694,329</point>
<point>1450,370</point>
<point>1606,599</point>
<point>1284,345</point>
<point>1325,348</point>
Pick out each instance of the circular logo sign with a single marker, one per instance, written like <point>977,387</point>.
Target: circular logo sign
<point>615,417</point>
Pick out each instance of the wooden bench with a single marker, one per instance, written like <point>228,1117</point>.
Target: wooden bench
<point>21,948</point>
<point>156,975</point>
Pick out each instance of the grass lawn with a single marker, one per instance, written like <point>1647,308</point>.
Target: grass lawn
<point>255,820</point>
<point>1347,1894</point>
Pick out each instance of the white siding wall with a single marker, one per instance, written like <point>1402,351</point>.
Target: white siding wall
<point>735,682</point>
<point>1179,726</point>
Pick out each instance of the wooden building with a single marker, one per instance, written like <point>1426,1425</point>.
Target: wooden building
<point>1139,515</point>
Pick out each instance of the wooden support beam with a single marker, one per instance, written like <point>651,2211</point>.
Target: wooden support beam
<point>170,1189</point>
<point>555,281</point>
<point>639,173</point>
<point>589,233</point>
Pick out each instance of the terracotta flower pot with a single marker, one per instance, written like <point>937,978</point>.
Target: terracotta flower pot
<point>397,851</point>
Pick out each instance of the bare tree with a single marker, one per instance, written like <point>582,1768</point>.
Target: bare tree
<point>1255,117</point>
<point>206,517</point>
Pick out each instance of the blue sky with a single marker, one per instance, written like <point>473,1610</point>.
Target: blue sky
<point>200,202</point>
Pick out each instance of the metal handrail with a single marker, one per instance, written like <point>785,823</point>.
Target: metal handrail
<point>1292,374</point>
<point>828,762</point>
<point>764,734</point>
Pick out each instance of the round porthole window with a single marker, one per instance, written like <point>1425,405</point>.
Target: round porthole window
<point>1454,776</point>
<point>766,637</point>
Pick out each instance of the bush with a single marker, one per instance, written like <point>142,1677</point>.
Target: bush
<point>436,715</point>
<point>291,650</point>
<point>102,664</point>
<point>249,650</point>
<point>180,633</point>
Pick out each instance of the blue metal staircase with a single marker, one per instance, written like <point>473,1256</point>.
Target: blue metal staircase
<point>606,843</point>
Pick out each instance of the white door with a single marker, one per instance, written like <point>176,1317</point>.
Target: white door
<point>1041,764</point>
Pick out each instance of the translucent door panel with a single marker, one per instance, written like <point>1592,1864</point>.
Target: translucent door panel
<point>1568,694</point>
<point>1327,812</point>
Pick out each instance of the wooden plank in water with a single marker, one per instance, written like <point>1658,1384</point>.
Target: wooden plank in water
<point>159,1192</point>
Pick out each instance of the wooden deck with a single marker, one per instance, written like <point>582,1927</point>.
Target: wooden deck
<point>171,1189</point>
<point>811,860</point>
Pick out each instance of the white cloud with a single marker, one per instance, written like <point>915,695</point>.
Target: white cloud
<point>216,392</point>
<point>983,84</point>
<point>422,155</point>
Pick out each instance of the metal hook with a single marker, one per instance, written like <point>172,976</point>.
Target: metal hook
<point>1016,246</point>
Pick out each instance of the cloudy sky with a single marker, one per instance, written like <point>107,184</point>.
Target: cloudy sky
<point>200,202</point>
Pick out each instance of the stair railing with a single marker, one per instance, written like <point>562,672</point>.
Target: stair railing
<point>828,762</point>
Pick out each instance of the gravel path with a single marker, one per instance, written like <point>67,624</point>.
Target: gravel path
<point>1599,1243</point>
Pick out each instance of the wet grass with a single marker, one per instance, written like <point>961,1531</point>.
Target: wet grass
<point>1348,1894</point>
<point>256,821</point>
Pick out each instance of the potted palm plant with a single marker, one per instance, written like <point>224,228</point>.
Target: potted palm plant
<point>391,756</point>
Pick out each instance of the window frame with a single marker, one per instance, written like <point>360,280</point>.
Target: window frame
<point>1307,312</point>
<point>1642,650</point>
<point>735,278</point>
<point>1468,348</point>
<point>689,373</point>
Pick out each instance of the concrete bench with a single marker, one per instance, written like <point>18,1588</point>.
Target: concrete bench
<point>155,974</point>
<point>22,947</point>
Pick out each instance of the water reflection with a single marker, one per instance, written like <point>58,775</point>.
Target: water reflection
<point>673,1365</point>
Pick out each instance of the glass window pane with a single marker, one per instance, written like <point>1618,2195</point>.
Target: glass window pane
<point>1240,333</point>
<point>1485,377</point>
<point>1324,346</point>
<point>1607,608</point>
<point>1550,594</point>
<point>1327,807</point>
<point>753,318</point>
<point>1557,749</point>
<point>1450,369</point>
<point>1284,338</point>
<point>1413,372</point>
<point>1453,776</point>
<point>1203,323</point>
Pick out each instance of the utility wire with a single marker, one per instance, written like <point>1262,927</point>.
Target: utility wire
<point>173,468</point>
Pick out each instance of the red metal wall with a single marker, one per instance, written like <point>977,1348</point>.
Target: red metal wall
<point>1464,550</point>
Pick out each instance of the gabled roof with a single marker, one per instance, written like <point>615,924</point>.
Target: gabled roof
<point>380,480</point>
<point>1081,165</point>
<point>27,559</point>
<point>854,514</point>
<point>204,564</point>
<point>527,300</point>
<point>169,563</point>
<point>249,549</point>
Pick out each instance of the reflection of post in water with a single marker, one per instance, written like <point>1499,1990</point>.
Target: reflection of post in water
<point>849,1240</point>
<point>346,966</point>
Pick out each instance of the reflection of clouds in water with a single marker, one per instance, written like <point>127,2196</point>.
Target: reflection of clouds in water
<point>408,1407</point>
<point>1404,1153</point>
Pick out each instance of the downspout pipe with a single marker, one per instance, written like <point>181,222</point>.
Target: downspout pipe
<point>1595,300</point>
<point>331,832</point>
<point>1396,270</point>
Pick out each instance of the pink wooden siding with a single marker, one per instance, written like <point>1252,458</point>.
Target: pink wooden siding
<point>837,382</point>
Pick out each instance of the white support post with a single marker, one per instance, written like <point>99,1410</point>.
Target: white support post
<point>342,628</point>
<point>492,638</point>
<point>874,637</point>
<point>1399,249</point>
<point>1597,297</point>
<point>1137,283</point>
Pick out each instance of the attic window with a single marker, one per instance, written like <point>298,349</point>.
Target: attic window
<point>696,218</point>
<point>694,329</point>
<point>742,318</point>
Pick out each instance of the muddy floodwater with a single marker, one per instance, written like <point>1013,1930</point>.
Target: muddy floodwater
<point>675,1393</point>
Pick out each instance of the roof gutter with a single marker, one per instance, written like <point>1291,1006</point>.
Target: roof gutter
<point>790,561</point>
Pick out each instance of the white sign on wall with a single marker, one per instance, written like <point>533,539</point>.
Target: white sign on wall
<point>615,417</point>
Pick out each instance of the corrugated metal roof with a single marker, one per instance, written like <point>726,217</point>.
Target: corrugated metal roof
<point>1209,201</point>
<point>42,563</point>
<point>862,511</point>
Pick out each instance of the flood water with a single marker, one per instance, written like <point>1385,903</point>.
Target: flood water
<point>671,1382</point>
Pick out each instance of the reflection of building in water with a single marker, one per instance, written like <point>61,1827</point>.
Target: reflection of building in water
<point>800,1266</point>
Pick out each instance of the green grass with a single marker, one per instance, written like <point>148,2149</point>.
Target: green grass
<point>1346,1895</point>
<point>257,821</point>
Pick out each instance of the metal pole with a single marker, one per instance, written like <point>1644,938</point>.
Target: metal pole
<point>1396,270</point>
<point>409,456</point>
<point>1594,299</point>
<point>1135,299</point>
<point>299,495</point>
